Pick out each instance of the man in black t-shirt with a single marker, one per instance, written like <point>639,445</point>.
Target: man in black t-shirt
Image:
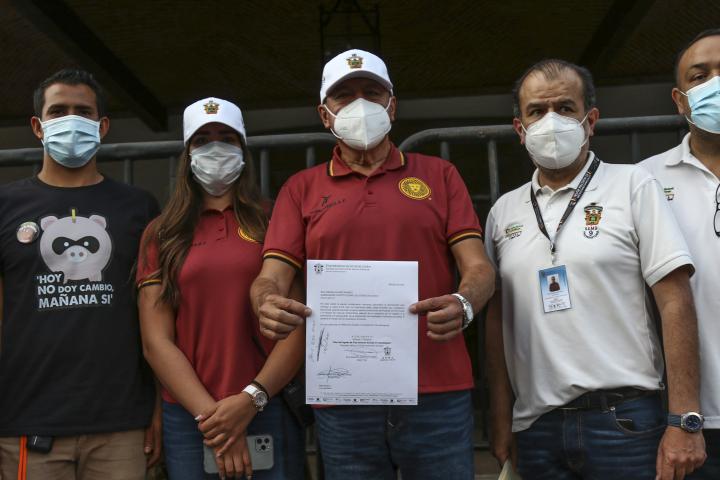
<point>76,397</point>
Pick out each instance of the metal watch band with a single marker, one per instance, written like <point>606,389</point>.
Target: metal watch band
<point>468,314</point>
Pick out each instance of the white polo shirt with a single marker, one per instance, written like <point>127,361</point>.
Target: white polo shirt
<point>690,191</point>
<point>608,338</point>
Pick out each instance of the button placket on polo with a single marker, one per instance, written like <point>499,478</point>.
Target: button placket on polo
<point>222,229</point>
<point>369,193</point>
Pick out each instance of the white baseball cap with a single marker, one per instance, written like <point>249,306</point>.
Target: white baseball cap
<point>209,110</point>
<point>354,64</point>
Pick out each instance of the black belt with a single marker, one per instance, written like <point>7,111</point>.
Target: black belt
<point>603,399</point>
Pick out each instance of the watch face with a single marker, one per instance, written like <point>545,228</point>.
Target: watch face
<point>260,399</point>
<point>693,422</point>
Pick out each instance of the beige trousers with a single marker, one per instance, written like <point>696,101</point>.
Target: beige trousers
<point>100,456</point>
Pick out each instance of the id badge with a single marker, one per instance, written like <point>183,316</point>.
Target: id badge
<point>554,289</point>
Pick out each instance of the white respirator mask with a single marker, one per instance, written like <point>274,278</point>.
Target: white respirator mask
<point>555,141</point>
<point>362,124</point>
<point>216,166</point>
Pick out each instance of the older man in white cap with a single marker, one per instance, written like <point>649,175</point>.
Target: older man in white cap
<point>373,202</point>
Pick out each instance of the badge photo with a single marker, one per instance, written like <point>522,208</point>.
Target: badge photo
<point>554,289</point>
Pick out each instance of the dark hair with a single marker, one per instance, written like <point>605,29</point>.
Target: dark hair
<point>551,68</point>
<point>70,76</point>
<point>704,34</point>
<point>173,230</point>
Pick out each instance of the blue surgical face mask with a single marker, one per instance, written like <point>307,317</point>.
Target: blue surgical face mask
<point>704,102</point>
<point>72,140</point>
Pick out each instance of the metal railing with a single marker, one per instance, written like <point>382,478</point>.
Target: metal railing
<point>492,134</point>
<point>128,153</point>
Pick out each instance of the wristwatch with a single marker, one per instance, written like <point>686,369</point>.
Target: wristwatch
<point>258,396</point>
<point>691,422</point>
<point>468,313</point>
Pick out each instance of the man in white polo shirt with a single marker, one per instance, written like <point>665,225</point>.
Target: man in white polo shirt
<point>689,174</point>
<point>568,330</point>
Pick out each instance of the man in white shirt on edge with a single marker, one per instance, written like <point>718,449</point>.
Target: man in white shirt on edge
<point>568,330</point>
<point>689,174</point>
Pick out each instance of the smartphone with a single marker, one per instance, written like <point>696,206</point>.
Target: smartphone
<point>261,454</point>
<point>40,444</point>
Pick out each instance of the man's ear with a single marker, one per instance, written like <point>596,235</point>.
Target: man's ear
<point>681,102</point>
<point>517,126</point>
<point>325,117</point>
<point>592,118</point>
<point>392,108</point>
<point>104,126</point>
<point>36,125</point>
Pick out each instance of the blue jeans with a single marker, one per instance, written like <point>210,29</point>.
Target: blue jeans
<point>593,444</point>
<point>432,440</point>
<point>183,443</point>
<point>711,469</point>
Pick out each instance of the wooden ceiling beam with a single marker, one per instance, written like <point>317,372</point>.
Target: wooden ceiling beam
<point>618,25</point>
<point>57,20</point>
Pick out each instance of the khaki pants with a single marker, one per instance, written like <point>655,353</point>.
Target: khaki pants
<point>100,456</point>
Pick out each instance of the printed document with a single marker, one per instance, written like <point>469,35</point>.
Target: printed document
<point>361,339</point>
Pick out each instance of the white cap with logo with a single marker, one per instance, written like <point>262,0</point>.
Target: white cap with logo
<point>354,64</point>
<point>209,110</point>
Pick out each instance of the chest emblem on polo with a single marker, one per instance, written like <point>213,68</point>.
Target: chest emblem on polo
<point>593,215</point>
<point>245,236</point>
<point>669,193</point>
<point>513,230</point>
<point>413,187</point>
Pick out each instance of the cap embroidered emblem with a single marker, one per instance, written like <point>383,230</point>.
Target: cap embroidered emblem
<point>211,108</point>
<point>354,61</point>
<point>593,215</point>
<point>413,187</point>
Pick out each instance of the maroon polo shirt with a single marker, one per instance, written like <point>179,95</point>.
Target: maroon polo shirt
<point>413,207</point>
<point>214,324</point>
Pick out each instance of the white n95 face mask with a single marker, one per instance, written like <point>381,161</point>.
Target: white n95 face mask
<point>555,140</point>
<point>362,124</point>
<point>216,166</point>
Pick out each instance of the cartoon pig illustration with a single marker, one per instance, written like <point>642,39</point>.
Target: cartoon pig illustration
<point>79,247</point>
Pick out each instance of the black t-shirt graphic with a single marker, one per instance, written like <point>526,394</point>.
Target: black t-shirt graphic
<point>71,359</point>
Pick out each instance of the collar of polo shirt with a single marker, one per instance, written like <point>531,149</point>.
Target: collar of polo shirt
<point>573,184</point>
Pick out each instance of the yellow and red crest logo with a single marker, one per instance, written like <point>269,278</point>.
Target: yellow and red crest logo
<point>354,61</point>
<point>593,215</point>
<point>413,187</point>
<point>211,107</point>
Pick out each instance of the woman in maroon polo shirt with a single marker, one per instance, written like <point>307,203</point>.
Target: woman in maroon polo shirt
<point>196,264</point>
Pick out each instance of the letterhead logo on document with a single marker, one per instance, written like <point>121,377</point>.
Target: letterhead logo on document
<point>593,215</point>
<point>319,268</point>
<point>387,354</point>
